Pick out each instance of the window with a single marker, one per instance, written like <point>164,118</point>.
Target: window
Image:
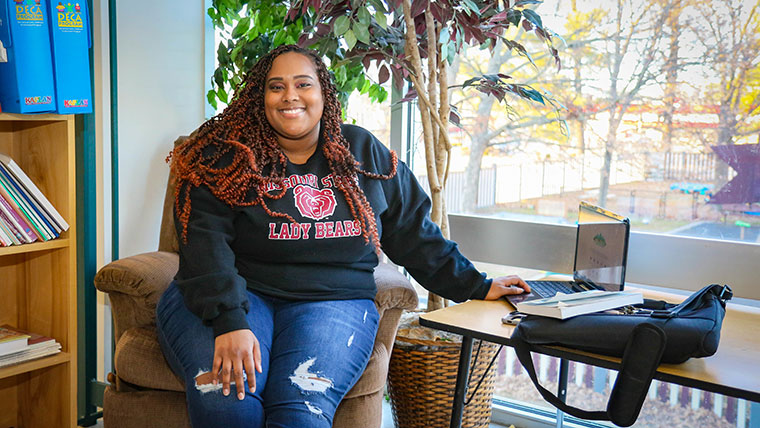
<point>643,118</point>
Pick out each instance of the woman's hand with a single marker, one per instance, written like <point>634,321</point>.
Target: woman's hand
<point>234,352</point>
<point>503,285</point>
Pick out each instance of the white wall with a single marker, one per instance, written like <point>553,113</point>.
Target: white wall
<point>161,95</point>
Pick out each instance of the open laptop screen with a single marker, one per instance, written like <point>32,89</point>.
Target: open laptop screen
<point>601,254</point>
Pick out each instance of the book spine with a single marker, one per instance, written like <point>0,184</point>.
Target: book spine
<point>8,227</point>
<point>40,211</point>
<point>10,210</point>
<point>5,238</point>
<point>29,229</point>
<point>24,179</point>
<point>40,228</point>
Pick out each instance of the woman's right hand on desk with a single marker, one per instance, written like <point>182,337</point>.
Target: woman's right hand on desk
<point>234,352</point>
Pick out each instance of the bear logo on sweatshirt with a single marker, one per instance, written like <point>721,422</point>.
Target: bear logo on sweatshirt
<point>314,204</point>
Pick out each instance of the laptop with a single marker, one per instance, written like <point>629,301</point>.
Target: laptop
<point>601,251</point>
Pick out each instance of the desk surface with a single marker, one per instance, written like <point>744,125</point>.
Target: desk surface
<point>734,370</point>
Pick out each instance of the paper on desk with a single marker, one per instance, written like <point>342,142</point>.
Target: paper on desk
<point>581,298</point>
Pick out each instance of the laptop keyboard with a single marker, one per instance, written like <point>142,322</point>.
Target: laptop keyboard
<point>549,288</point>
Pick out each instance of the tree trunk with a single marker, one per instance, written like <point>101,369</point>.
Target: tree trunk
<point>479,140</point>
<point>671,77</point>
<point>609,149</point>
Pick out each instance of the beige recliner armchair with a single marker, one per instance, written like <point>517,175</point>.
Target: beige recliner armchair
<point>144,392</point>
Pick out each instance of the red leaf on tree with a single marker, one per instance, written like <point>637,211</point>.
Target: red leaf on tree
<point>323,29</point>
<point>383,74</point>
<point>419,7</point>
<point>303,40</point>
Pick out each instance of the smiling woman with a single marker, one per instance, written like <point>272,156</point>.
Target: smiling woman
<point>290,208</point>
<point>293,104</point>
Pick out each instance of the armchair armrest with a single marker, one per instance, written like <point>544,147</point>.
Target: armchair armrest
<point>394,291</point>
<point>134,285</point>
<point>394,294</point>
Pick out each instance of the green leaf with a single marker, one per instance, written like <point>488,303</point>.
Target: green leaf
<point>361,31</point>
<point>350,39</point>
<point>235,52</point>
<point>364,16</point>
<point>366,86</point>
<point>533,17</point>
<point>340,74</point>
<point>470,5</point>
<point>279,38</point>
<point>534,95</point>
<point>241,28</point>
<point>379,6</point>
<point>452,52</point>
<point>211,97</point>
<point>341,25</point>
<point>222,94</point>
<point>522,3</point>
<point>220,76</point>
<point>470,82</point>
<point>444,37</point>
<point>514,16</point>
<point>381,19</point>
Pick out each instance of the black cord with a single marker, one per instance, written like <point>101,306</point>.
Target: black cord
<point>467,402</point>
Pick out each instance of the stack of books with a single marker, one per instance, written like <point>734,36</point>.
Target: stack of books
<point>565,306</point>
<point>26,215</point>
<point>18,346</point>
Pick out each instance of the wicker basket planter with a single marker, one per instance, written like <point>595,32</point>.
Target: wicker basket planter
<point>421,379</point>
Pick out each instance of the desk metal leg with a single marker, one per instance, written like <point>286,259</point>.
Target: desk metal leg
<point>463,373</point>
<point>562,389</point>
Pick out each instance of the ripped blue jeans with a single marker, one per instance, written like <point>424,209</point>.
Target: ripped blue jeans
<point>312,353</point>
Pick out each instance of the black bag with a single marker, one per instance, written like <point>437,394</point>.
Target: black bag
<point>657,333</point>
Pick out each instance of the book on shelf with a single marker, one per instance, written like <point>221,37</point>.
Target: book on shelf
<point>37,346</point>
<point>13,216</point>
<point>12,340</point>
<point>564,306</point>
<point>41,217</point>
<point>13,197</point>
<point>7,232</point>
<point>44,220</point>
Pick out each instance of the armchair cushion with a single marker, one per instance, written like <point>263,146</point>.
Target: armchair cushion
<point>139,361</point>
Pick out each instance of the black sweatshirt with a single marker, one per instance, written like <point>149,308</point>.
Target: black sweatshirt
<point>324,256</point>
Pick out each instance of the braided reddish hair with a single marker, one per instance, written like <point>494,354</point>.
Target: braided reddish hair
<point>243,134</point>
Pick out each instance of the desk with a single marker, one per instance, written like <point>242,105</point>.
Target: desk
<point>733,370</point>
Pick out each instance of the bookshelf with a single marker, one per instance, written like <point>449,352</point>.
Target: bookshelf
<point>38,280</point>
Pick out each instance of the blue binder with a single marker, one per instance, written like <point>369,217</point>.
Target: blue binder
<point>70,39</point>
<point>26,79</point>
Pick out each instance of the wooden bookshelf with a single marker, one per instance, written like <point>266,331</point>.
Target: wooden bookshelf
<point>38,280</point>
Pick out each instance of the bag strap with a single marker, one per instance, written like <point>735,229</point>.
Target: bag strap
<point>642,356</point>
<point>721,292</point>
<point>640,361</point>
<point>522,350</point>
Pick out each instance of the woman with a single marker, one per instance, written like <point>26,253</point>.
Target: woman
<point>282,212</point>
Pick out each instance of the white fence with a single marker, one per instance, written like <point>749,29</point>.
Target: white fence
<point>519,181</point>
